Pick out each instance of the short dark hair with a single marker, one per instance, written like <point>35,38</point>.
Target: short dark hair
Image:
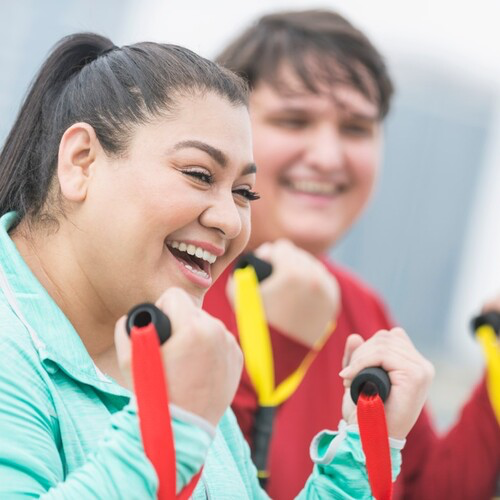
<point>320,46</point>
<point>86,78</point>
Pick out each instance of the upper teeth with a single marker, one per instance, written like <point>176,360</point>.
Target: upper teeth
<point>194,250</point>
<point>314,186</point>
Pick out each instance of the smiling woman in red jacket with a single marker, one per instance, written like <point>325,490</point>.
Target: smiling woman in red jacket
<point>320,92</point>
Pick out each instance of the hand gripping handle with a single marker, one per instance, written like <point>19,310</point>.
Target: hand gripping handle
<point>143,314</point>
<point>491,318</point>
<point>373,380</point>
<point>263,269</point>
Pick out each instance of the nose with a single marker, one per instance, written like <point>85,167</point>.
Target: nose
<point>325,149</point>
<point>223,214</point>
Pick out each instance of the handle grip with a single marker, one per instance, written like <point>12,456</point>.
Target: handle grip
<point>262,432</point>
<point>373,380</point>
<point>263,269</point>
<point>491,318</point>
<point>143,314</point>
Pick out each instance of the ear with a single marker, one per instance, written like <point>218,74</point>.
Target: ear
<point>78,150</point>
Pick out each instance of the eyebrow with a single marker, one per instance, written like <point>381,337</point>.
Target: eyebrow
<point>369,117</point>
<point>214,153</point>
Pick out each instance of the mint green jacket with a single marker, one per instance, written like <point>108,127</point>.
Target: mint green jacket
<point>67,431</point>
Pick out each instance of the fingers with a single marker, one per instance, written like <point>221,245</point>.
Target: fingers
<point>122,342</point>
<point>349,413</point>
<point>491,305</point>
<point>230,291</point>
<point>352,343</point>
<point>123,349</point>
<point>178,306</point>
<point>265,252</point>
<point>392,350</point>
<point>283,253</point>
<point>175,303</point>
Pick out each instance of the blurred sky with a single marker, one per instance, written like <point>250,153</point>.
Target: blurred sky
<point>463,32</point>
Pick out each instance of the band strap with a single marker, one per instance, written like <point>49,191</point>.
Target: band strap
<point>488,340</point>
<point>375,442</point>
<point>256,343</point>
<point>154,414</point>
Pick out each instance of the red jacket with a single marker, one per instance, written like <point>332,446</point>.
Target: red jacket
<point>463,464</point>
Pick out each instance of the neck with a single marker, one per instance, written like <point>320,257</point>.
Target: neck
<point>50,257</point>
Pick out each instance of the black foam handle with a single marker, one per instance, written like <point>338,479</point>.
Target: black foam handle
<point>263,269</point>
<point>373,380</point>
<point>491,318</point>
<point>262,432</point>
<point>143,314</point>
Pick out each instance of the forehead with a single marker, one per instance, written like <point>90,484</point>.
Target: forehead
<point>327,85</point>
<point>208,118</point>
<point>343,100</point>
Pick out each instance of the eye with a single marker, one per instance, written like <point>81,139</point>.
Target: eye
<point>200,174</point>
<point>358,130</point>
<point>291,122</point>
<point>246,193</point>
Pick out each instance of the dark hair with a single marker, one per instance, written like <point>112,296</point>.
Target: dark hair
<point>86,78</point>
<point>320,46</point>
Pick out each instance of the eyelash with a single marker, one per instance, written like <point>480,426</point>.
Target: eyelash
<point>292,123</point>
<point>248,194</point>
<point>201,176</point>
<point>209,179</point>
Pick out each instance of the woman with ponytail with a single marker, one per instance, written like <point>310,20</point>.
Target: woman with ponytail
<point>127,177</point>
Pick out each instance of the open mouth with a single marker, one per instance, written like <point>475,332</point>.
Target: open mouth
<point>193,258</point>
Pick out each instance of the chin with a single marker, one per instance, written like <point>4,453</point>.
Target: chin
<point>312,242</point>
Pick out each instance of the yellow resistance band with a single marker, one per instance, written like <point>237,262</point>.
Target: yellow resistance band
<point>491,350</point>
<point>256,343</point>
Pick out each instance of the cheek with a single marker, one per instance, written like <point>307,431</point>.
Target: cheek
<point>364,162</point>
<point>274,151</point>
<point>246,227</point>
<point>238,244</point>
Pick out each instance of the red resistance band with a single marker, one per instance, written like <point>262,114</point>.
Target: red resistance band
<point>375,443</point>
<point>154,413</point>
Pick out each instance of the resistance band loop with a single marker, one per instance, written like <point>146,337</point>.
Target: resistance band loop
<point>154,413</point>
<point>375,443</point>
<point>256,343</point>
<point>489,343</point>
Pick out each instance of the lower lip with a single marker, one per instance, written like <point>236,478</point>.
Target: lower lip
<point>194,278</point>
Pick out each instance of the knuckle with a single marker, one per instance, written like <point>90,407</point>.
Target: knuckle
<point>400,333</point>
<point>425,373</point>
<point>430,370</point>
<point>171,296</point>
<point>381,334</point>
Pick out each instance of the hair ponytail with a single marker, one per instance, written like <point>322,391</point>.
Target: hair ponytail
<point>25,170</point>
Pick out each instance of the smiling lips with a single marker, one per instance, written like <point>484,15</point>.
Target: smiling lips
<point>194,258</point>
<point>315,187</point>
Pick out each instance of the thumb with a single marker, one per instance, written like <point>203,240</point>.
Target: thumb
<point>230,290</point>
<point>352,343</point>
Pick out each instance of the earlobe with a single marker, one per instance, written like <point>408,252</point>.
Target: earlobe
<point>77,153</point>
